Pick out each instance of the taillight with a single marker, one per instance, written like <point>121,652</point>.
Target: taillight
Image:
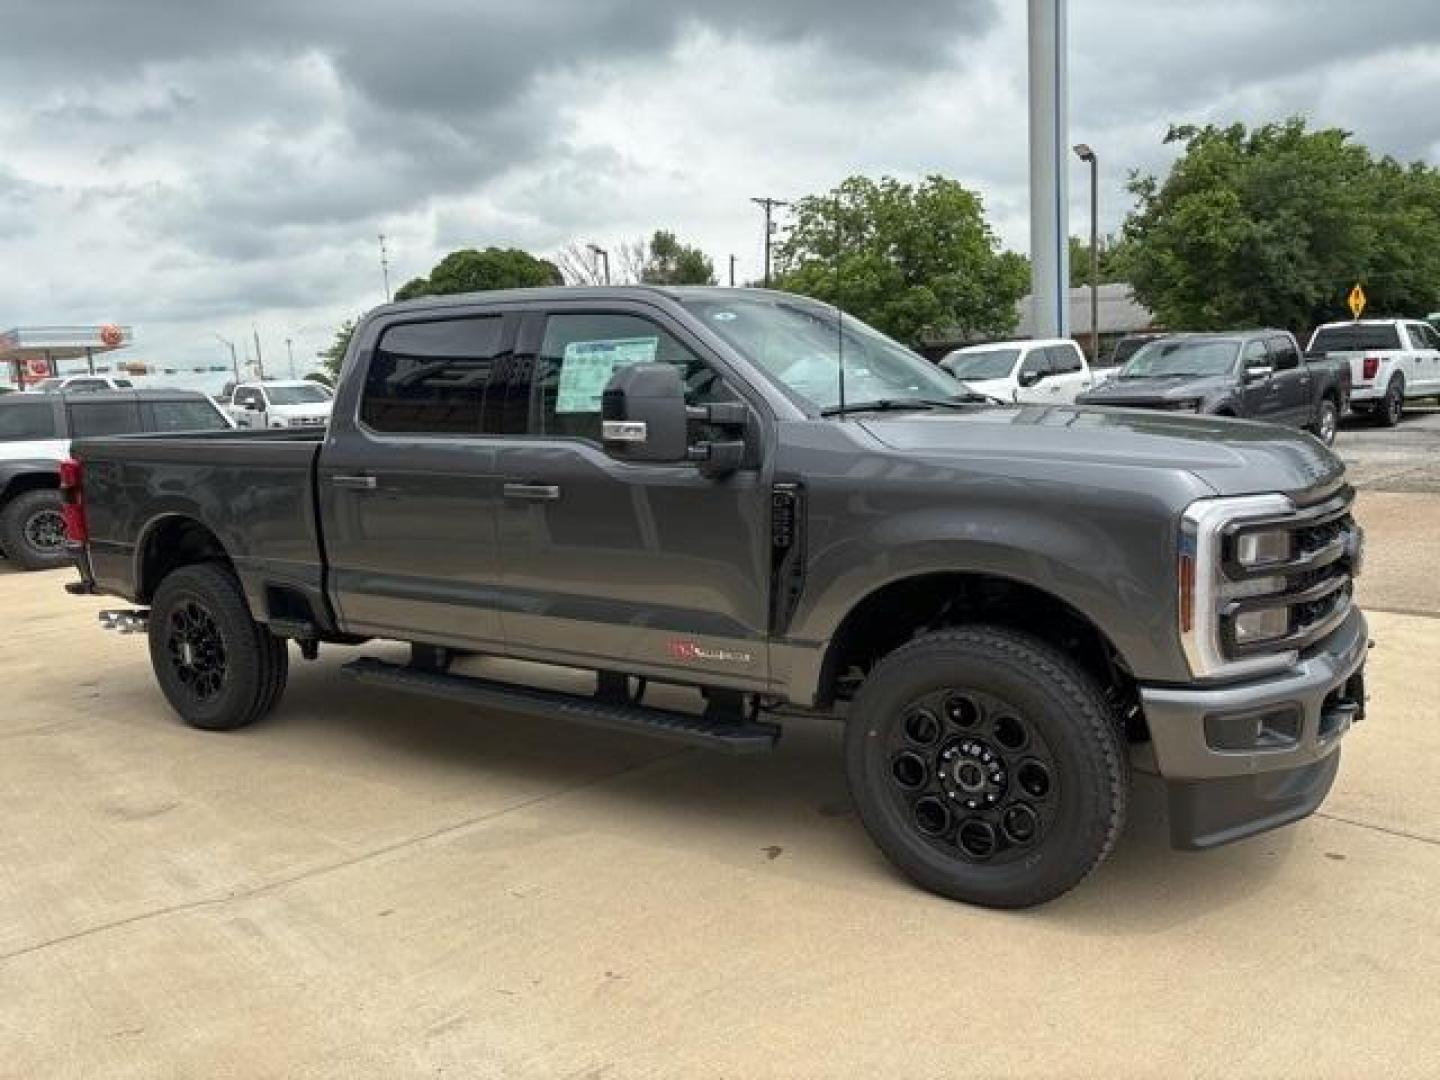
<point>1372,367</point>
<point>72,501</point>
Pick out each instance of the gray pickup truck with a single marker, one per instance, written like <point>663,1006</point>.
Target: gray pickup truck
<point>1252,374</point>
<point>743,493</point>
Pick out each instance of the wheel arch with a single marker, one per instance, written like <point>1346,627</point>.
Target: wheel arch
<point>168,542</point>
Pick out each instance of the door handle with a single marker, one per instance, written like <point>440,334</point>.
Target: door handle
<point>534,492</point>
<point>359,483</point>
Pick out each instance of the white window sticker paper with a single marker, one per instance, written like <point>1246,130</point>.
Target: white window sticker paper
<point>587,366</point>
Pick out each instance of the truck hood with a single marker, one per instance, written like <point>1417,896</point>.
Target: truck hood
<point>1233,457</point>
<point>1155,391</point>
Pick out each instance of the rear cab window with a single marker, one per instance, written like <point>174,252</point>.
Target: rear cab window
<point>174,416</point>
<point>430,378</point>
<point>89,418</point>
<point>1357,337</point>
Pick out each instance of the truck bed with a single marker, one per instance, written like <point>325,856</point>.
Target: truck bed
<point>255,490</point>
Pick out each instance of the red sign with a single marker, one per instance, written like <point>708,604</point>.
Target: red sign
<point>39,369</point>
<point>111,335</point>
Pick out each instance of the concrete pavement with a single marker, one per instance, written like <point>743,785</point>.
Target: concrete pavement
<point>370,885</point>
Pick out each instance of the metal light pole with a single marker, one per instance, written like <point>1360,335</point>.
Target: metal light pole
<point>604,259</point>
<point>291,351</point>
<point>1087,155</point>
<point>732,271</point>
<point>259,356</point>
<point>769,205</point>
<point>1049,209</point>
<point>385,267</point>
<point>234,359</point>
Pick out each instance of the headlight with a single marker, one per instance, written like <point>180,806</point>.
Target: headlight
<point>1259,548</point>
<point>1203,587</point>
<point>1263,625</point>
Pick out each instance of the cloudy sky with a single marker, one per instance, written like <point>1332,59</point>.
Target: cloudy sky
<point>200,166</point>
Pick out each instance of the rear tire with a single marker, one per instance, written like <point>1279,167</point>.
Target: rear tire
<point>987,766</point>
<point>1392,406</point>
<point>218,668</point>
<point>32,530</point>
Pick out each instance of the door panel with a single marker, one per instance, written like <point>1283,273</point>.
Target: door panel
<point>603,560</point>
<point>1262,398</point>
<point>1068,372</point>
<point>1034,360</point>
<point>409,495</point>
<point>1294,381</point>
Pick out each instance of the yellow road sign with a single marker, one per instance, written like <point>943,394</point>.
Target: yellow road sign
<point>1357,300</point>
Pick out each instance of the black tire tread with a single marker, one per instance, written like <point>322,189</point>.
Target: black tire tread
<point>1045,664</point>
<point>260,658</point>
<point>12,530</point>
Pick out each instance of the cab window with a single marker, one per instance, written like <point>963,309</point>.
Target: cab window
<point>1284,355</point>
<point>581,351</point>
<point>20,420</point>
<point>1064,359</point>
<point>104,418</point>
<point>183,416</point>
<point>1035,364</point>
<point>429,378</point>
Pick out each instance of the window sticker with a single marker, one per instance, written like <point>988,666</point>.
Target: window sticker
<point>587,366</point>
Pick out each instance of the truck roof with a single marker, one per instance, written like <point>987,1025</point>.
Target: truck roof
<point>584,292</point>
<point>155,394</point>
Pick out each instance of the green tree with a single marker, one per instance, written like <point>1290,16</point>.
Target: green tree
<point>1113,255</point>
<point>669,262</point>
<point>333,355</point>
<point>469,270</point>
<point>1272,226</point>
<point>911,260</point>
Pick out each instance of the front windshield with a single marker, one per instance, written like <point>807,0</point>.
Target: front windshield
<point>989,364</point>
<point>297,395</point>
<point>1181,357</point>
<point>798,344</point>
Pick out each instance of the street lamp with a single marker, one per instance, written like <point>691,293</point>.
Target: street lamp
<point>234,360</point>
<point>604,259</point>
<point>1087,155</point>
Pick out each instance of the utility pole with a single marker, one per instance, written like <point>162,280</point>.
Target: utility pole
<point>604,259</point>
<point>385,267</point>
<point>259,357</point>
<point>289,349</point>
<point>1049,206</point>
<point>1087,155</point>
<point>234,359</point>
<point>770,206</point>
<point>732,271</point>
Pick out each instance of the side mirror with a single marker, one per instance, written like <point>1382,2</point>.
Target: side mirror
<point>1030,378</point>
<point>643,415</point>
<point>1257,372</point>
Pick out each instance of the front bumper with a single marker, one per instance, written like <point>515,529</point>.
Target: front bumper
<point>1220,794</point>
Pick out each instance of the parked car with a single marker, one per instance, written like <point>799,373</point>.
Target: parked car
<point>1048,371</point>
<point>35,434</point>
<point>1253,374</point>
<point>1128,346</point>
<point>289,404</point>
<point>700,487</point>
<point>1390,362</point>
<point>80,383</point>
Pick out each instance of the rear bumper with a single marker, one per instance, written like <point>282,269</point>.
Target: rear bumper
<point>1219,793</point>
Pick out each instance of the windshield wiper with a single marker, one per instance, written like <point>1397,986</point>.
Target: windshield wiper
<point>959,401</point>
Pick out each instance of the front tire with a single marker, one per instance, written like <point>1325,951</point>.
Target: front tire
<point>32,530</point>
<point>218,668</point>
<point>987,766</point>
<point>1327,422</point>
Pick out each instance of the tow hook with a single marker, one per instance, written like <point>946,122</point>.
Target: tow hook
<point>126,620</point>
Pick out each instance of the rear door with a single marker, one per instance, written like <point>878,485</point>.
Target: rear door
<point>408,487</point>
<point>649,567</point>
<point>1425,343</point>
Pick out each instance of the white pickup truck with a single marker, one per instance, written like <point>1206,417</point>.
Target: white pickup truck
<point>289,404</point>
<point>1048,371</point>
<point>1392,361</point>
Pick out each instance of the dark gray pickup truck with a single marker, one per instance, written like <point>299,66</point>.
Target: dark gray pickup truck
<point>739,492</point>
<point>1252,374</point>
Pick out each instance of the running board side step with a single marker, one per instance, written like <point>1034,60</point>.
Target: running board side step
<point>742,737</point>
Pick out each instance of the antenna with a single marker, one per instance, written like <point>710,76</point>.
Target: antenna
<point>839,315</point>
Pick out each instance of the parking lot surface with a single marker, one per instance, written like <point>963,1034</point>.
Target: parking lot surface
<point>368,884</point>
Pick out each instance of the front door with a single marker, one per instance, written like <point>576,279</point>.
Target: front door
<point>1263,399</point>
<point>1067,372</point>
<point>1295,382</point>
<point>409,491</point>
<point>652,568</point>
